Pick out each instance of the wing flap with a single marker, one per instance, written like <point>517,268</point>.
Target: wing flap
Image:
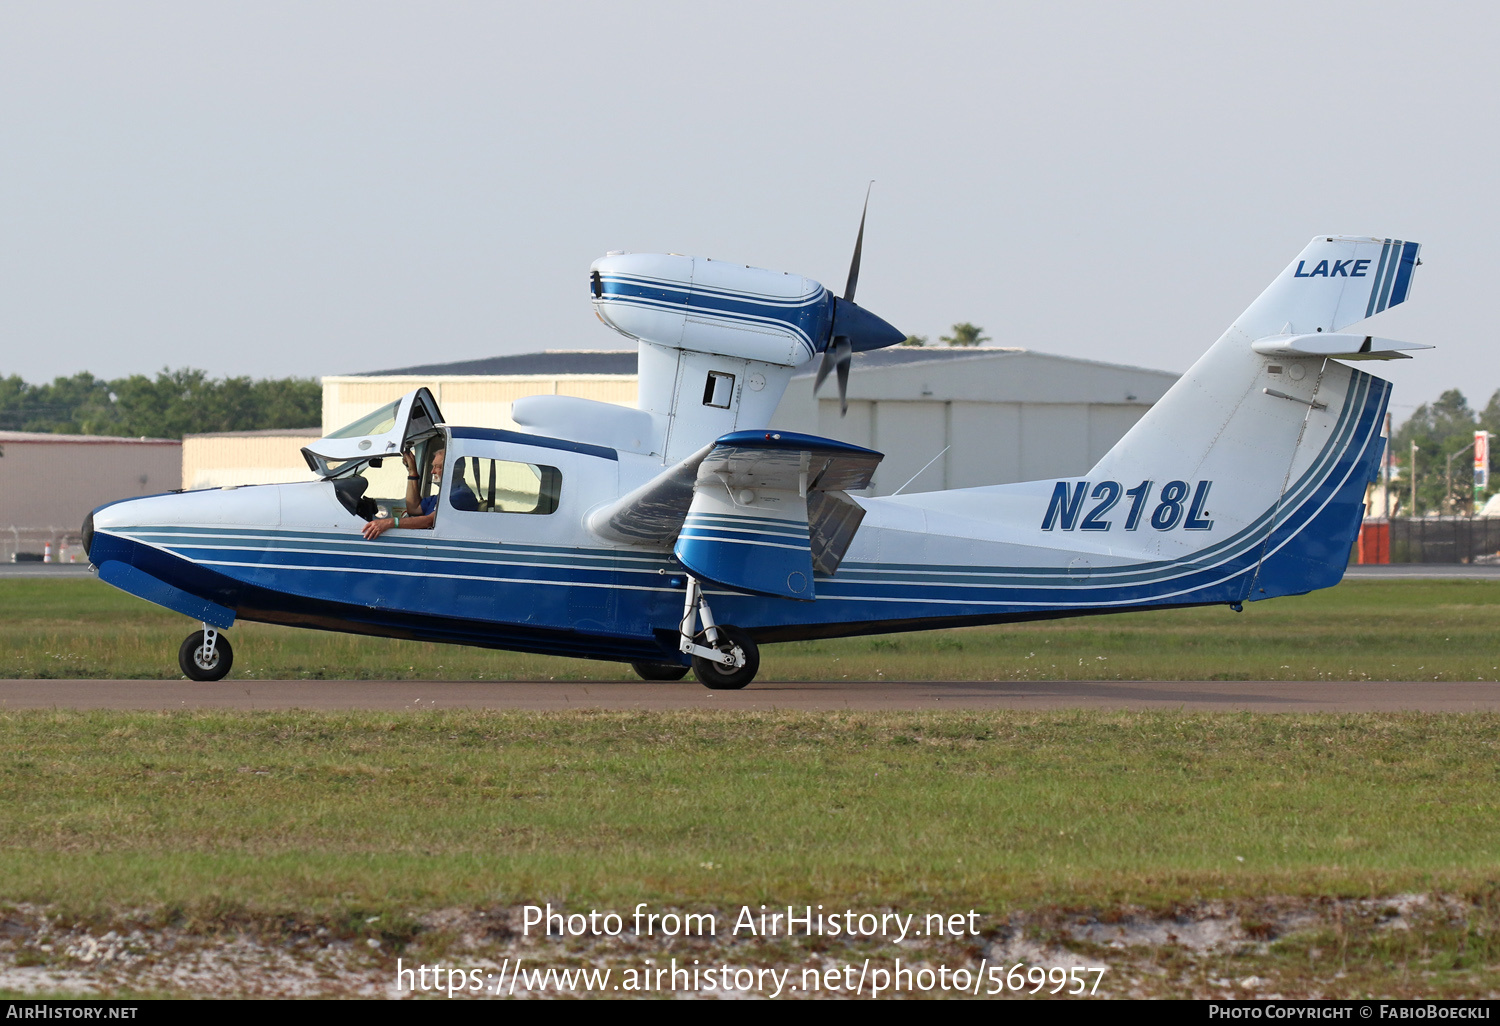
<point>757,511</point>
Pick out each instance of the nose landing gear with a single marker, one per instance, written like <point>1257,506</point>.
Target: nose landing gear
<point>205,655</point>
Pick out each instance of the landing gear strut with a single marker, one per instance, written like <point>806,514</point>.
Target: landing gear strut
<point>725,658</point>
<point>205,655</point>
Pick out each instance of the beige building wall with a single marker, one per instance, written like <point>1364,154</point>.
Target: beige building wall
<point>990,416</point>
<point>245,458</point>
<point>49,483</point>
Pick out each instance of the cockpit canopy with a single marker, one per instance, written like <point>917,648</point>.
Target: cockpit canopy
<point>388,431</point>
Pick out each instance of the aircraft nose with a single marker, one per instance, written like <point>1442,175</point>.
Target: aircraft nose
<point>864,330</point>
<point>88,536</point>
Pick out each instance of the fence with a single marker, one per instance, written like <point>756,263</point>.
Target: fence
<point>22,544</point>
<point>1429,540</point>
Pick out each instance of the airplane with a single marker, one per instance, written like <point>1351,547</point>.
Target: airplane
<point>688,532</point>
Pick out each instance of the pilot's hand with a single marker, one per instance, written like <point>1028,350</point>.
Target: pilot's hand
<point>375,528</point>
<point>410,459</point>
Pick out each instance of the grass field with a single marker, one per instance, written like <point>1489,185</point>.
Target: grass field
<point>1360,630</point>
<point>362,824</point>
<point>388,811</point>
<point>359,825</point>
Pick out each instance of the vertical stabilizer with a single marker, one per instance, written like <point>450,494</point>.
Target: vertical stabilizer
<point>1286,441</point>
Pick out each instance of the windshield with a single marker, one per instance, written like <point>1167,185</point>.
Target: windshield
<point>377,423</point>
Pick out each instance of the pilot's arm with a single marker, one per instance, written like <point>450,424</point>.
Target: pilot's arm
<point>413,481</point>
<point>375,528</point>
<point>422,515</point>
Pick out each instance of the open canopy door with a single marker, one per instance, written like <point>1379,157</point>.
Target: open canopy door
<point>386,432</point>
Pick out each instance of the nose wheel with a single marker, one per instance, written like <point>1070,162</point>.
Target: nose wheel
<point>205,655</point>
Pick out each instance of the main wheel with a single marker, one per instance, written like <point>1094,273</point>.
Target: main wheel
<point>191,658</point>
<point>659,671</point>
<point>721,678</point>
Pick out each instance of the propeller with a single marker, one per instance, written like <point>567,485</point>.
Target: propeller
<point>840,350</point>
<point>836,356</point>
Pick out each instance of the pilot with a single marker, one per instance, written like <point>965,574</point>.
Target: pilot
<point>426,515</point>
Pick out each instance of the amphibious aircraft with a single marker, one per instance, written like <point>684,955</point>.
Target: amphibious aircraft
<point>690,531</point>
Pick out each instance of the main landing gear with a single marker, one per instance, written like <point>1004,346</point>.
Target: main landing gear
<point>725,658</point>
<point>205,655</point>
<point>659,671</point>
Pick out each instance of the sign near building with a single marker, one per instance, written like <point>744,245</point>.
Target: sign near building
<point>1481,463</point>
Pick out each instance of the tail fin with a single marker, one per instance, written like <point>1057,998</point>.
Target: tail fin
<point>1336,281</point>
<point>1276,446</point>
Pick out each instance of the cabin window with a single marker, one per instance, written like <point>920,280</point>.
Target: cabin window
<point>501,486</point>
<point>718,390</point>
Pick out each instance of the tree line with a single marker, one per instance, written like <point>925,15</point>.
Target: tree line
<point>1442,430</point>
<point>964,334</point>
<point>173,404</point>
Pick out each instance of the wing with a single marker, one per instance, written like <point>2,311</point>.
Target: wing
<point>757,511</point>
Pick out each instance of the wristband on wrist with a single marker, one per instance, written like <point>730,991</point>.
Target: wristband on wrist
<point>409,478</point>
<point>397,519</point>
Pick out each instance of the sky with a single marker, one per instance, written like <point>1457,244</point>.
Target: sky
<point>309,188</point>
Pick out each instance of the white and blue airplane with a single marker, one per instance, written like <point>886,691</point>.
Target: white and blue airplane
<point>689,531</point>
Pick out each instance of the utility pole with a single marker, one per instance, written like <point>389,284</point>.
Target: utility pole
<point>1413,480</point>
<point>1386,491</point>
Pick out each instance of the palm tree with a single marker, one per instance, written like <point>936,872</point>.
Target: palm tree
<point>966,334</point>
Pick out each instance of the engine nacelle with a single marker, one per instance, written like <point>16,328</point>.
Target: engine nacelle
<point>710,306</point>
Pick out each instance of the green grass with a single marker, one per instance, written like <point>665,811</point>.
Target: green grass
<point>1360,630</point>
<point>206,820</point>
<point>222,814</point>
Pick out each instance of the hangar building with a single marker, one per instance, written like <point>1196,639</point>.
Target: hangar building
<point>978,415</point>
<point>49,483</point>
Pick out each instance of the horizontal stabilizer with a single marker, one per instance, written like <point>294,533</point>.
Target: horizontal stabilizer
<point>1337,345</point>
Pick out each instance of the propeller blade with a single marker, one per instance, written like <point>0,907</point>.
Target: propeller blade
<point>859,244</point>
<point>837,357</point>
<point>823,369</point>
<point>845,357</point>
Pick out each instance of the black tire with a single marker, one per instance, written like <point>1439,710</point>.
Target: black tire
<point>659,671</point>
<point>720,678</point>
<point>189,657</point>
